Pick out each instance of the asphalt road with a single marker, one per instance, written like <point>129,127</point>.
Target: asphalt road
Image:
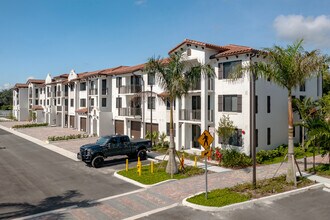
<point>312,204</point>
<point>34,179</point>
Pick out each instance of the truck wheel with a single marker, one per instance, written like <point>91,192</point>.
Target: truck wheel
<point>142,154</point>
<point>97,162</point>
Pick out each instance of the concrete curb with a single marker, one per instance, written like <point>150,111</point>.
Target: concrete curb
<point>140,184</point>
<point>51,147</point>
<point>249,203</point>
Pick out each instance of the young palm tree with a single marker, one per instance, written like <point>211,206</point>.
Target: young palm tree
<point>175,76</point>
<point>305,109</point>
<point>288,68</point>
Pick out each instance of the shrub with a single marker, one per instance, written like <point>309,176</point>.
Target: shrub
<point>30,125</point>
<point>67,137</point>
<point>234,159</point>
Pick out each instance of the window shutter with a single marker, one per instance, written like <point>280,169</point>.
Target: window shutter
<point>239,103</point>
<point>220,100</point>
<point>220,71</point>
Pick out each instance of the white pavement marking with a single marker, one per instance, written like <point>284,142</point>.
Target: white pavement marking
<point>51,147</point>
<point>151,212</point>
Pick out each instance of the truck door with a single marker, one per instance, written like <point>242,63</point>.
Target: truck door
<point>125,145</point>
<point>114,146</point>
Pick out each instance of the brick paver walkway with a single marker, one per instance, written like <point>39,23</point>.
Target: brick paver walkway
<point>169,193</point>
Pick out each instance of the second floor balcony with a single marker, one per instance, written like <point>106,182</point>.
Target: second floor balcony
<point>93,91</point>
<point>129,111</point>
<point>59,108</point>
<point>130,89</point>
<point>194,115</point>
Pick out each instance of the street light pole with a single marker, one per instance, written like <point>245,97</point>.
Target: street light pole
<point>151,114</point>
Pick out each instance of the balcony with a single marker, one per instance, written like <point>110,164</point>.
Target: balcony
<point>59,108</point>
<point>196,86</point>
<point>130,89</point>
<point>66,93</point>
<point>105,91</point>
<point>190,115</point>
<point>93,92</point>
<point>129,111</point>
<point>58,93</point>
<point>66,108</point>
<point>210,116</point>
<point>49,94</point>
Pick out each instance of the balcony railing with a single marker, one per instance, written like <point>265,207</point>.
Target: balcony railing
<point>130,89</point>
<point>105,91</point>
<point>49,94</point>
<point>58,93</point>
<point>59,108</point>
<point>190,115</point>
<point>66,108</point>
<point>129,111</point>
<point>210,116</point>
<point>66,93</point>
<point>93,92</point>
<point>196,86</point>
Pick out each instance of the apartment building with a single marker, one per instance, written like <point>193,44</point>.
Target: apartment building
<point>20,102</point>
<point>126,100</point>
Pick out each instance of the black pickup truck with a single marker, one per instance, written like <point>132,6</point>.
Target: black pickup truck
<point>113,145</point>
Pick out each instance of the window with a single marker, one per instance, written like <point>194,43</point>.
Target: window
<point>82,102</point>
<point>151,102</point>
<point>268,104</point>
<point>294,132</point>
<point>151,79</point>
<point>104,102</point>
<point>118,102</point>
<point>83,86</point>
<point>92,102</point>
<point>235,139</point>
<point>256,104</point>
<point>268,136</point>
<point>224,69</point>
<point>71,87</point>
<point>230,103</point>
<point>71,102</point>
<point>168,129</point>
<point>59,101</point>
<point>40,102</point>
<point>302,87</point>
<point>104,86</point>
<point>65,102</point>
<point>168,104</point>
<point>118,82</point>
<point>37,102</point>
<point>47,101</point>
<point>302,97</point>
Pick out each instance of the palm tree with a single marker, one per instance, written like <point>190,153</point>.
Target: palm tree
<point>175,76</point>
<point>288,68</point>
<point>305,110</point>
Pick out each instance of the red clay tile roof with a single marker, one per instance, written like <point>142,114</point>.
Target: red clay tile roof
<point>35,81</point>
<point>20,85</point>
<point>82,110</point>
<point>37,107</point>
<point>202,44</point>
<point>233,50</point>
<point>128,69</point>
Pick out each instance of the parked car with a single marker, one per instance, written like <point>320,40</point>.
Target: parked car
<point>113,145</point>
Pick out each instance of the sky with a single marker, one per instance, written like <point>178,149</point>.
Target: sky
<point>38,37</point>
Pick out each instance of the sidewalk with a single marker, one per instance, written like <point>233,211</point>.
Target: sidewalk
<point>144,202</point>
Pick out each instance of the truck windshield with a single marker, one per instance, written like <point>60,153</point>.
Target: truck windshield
<point>102,141</point>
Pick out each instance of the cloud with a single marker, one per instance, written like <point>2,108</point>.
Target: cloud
<point>140,2</point>
<point>314,30</point>
<point>6,86</point>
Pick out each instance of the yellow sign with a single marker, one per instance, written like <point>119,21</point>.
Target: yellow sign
<point>205,140</point>
<point>206,153</point>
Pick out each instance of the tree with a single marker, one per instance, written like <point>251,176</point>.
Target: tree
<point>176,76</point>
<point>225,129</point>
<point>6,99</point>
<point>305,110</point>
<point>288,68</point>
<point>326,83</point>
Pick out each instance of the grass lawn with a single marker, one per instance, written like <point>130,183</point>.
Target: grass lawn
<point>280,159</point>
<point>244,192</point>
<point>159,174</point>
<point>321,170</point>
